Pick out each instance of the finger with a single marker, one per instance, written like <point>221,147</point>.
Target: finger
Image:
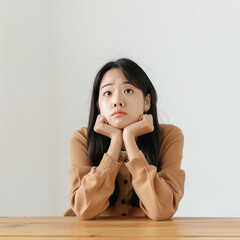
<point>101,119</point>
<point>98,116</point>
<point>104,120</point>
<point>144,117</point>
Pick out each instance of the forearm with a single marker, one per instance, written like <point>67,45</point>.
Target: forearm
<point>131,147</point>
<point>91,187</point>
<point>159,192</point>
<point>115,148</point>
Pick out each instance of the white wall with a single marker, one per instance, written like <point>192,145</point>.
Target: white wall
<point>50,52</point>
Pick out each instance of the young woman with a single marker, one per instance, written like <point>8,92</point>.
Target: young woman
<point>125,163</point>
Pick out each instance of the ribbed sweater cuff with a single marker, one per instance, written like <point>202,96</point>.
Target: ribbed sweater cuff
<point>137,163</point>
<point>108,164</point>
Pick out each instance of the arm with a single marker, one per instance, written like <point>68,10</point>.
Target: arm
<point>91,187</point>
<point>159,192</point>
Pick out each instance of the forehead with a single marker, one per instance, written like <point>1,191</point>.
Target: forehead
<point>112,76</point>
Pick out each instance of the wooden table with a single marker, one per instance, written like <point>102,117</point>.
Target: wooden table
<point>40,228</point>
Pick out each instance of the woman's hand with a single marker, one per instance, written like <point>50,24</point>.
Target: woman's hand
<point>102,127</point>
<point>143,126</point>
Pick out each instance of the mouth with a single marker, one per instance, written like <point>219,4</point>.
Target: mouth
<point>118,114</point>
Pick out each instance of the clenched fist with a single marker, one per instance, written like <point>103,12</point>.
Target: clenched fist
<point>143,126</point>
<point>102,127</point>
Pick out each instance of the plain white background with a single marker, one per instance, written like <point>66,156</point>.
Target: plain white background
<point>50,52</point>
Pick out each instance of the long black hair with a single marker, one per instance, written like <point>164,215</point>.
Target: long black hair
<point>149,143</point>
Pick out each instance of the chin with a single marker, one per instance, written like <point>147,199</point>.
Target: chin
<point>119,125</point>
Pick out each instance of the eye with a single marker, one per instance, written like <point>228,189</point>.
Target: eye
<point>129,90</point>
<point>105,94</point>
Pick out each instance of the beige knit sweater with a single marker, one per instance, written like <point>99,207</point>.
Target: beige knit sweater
<point>159,192</point>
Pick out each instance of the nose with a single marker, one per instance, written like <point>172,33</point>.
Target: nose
<point>118,102</point>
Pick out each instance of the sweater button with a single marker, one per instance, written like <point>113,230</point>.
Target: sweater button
<point>123,201</point>
<point>125,181</point>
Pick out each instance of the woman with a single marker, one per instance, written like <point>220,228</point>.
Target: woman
<point>125,163</point>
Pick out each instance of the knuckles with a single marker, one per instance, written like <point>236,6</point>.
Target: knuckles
<point>148,123</point>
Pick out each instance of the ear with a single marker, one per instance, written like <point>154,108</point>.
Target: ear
<point>147,102</point>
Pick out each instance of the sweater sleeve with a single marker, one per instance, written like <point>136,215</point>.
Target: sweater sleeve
<point>91,186</point>
<point>160,192</point>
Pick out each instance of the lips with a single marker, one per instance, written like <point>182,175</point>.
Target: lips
<point>118,113</point>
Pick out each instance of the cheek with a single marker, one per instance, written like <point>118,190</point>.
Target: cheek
<point>103,107</point>
<point>135,113</point>
<point>138,108</point>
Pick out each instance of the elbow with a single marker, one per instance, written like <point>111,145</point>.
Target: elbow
<point>160,216</point>
<point>84,214</point>
<point>165,211</point>
<point>161,212</point>
<point>82,211</point>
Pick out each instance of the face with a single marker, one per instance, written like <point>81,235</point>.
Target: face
<point>116,93</point>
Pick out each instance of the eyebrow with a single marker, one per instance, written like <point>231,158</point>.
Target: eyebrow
<point>112,84</point>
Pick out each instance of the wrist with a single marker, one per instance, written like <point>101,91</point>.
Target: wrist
<point>128,136</point>
<point>117,137</point>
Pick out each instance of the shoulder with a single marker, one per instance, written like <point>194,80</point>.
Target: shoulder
<point>171,136</point>
<point>80,135</point>
<point>170,131</point>
<point>81,132</point>
<point>172,141</point>
<point>79,148</point>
